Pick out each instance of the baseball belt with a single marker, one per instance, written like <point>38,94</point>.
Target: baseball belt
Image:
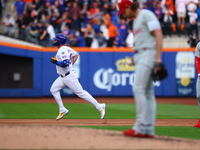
<point>65,74</point>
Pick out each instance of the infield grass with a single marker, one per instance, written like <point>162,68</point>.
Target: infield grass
<point>182,132</point>
<point>113,111</point>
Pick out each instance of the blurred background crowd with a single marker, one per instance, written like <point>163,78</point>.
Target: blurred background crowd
<point>94,23</point>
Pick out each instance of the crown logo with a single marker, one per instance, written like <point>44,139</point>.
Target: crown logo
<point>122,66</point>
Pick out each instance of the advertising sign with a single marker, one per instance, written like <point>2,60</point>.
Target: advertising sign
<point>185,73</point>
<point>115,77</point>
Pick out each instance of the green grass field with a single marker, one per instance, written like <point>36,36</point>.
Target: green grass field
<point>113,111</point>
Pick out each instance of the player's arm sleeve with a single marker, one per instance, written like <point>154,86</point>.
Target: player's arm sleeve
<point>197,64</point>
<point>152,22</point>
<point>197,58</point>
<point>154,27</point>
<point>74,56</point>
<point>64,63</point>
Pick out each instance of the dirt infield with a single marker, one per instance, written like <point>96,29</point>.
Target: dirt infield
<point>95,122</point>
<point>51,134</point>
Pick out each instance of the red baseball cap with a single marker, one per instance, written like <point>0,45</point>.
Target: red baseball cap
<point>123,5</point>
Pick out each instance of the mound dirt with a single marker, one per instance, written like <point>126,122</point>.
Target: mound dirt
<point>61,137</point>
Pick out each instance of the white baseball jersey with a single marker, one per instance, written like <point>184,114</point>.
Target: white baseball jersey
<point>144,23</point>
<point>63,53</point>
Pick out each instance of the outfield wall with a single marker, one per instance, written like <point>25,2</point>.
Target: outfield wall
<point>102,72</point>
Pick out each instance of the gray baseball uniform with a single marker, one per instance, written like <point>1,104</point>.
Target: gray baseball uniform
<point>145,47</point>
<point>197,63</point>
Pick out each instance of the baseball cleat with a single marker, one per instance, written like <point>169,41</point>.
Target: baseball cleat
<point>103,111</point>
<point>61,115</point>
<point>197,125</point>
<point>133,133</point>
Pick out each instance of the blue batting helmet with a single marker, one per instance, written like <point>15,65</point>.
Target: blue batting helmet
<point>60,39</point>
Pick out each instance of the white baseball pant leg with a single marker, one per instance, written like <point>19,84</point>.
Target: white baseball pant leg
<point>144,94</point>
<point>72,82</point>
<point>55,91</point>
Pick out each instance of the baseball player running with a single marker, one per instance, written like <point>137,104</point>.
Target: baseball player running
<point>148,48</point>
<point>197,64</point>
<point>64,60</point>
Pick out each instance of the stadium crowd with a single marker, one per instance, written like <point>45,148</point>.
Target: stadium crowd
<point>94,23</point>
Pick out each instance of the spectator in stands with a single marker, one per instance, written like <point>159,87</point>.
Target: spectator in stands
<point>60,5</point>
<point>74,10</point>
<point>21,27</point>
<point>96,25</point>
<point>54,22</point>
<point>181,10</point>
<point>51,2</point>
<point>43,35</point>
<point>192,40</point>
<point>113,14</point>
<point>32,34</point>
<point>67,31</point>
<point>149,5</point>
<point>158,10</point>
<point>193,29</point>
<point>101,15</point>
<point>84,14</point>
<point>170,3</point>
<point>123,28</point>
<point>67,6</point>
<point>47,8</point>
<point>79,39</point>
<point>198,19</point>
<point>51,32</point>
<point>106,8</point>
<point>75,24</point>
<point>19,7</point>
<point>94,12</point>
<point>1,9</point>
<point>44,19</point>
<point>181,15</point>
<point>72,41</point>
<point>64,20</point>
<point>129,42</point>
<point>28,1</point>
<point>145,6</point>
<point>54,10</point>
<point>8,23</point>
<point>36,5</point>
<point>104,29</point>
<point>28,4</point>
<point>22,22</point>
<point>33,14</point>
<point>112,32</point>
<point>89,34</point>
<point>102,42</point>
<point>167,22</point>
<point>118,41</point>
<point>192,5</point>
